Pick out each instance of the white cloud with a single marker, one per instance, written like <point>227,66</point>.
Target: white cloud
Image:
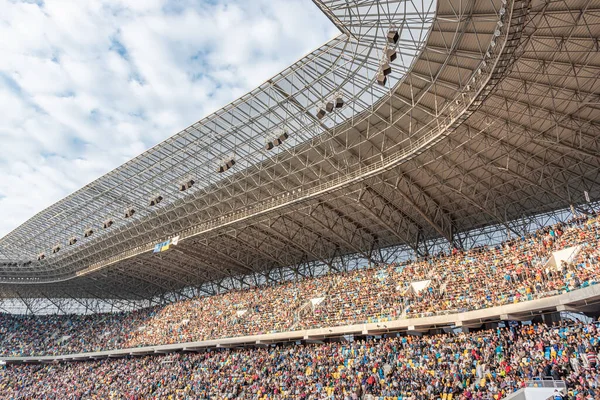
<point>87,85</point>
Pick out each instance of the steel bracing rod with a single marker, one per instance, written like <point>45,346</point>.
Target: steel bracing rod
<point>54,302</point>
<point>487,163</point>
<point>332,230</point>
<point>305,227</point>
<point>543,137</point>
<point>161,271</point>
<point>189,265</point>
<point>487,135</point>
<point>528,156</point>
<point>152,280</point>
<point>400,235</point>
<point>255,249</point>
<point>463,172</point>
<point>203,260</point>
<point>27,305</point>
<point>293,242</point>
<point>511,148</point>
<point>220,253</point>
<point>439,220</point>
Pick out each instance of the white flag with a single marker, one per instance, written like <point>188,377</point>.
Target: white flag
<point>175,240</point>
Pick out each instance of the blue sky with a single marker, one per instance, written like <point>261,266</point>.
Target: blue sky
<point>87,85</point>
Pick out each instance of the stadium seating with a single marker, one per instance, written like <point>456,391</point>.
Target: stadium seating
<point>515,271</point>
<point>483,365</point>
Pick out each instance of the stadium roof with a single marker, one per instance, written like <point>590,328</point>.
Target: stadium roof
<point>491,113</point>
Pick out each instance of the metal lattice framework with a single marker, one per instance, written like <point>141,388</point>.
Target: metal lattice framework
<point>490,116</point>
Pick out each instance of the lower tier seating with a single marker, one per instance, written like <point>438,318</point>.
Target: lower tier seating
<point>481,365</point>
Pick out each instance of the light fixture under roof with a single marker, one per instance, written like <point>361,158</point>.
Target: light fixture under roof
<point>155,200</point>
<point>129,212</point>
<point>88,232</point>
<point>185,185</point>
<point>277,138</point>
<point>107,223</point>
<point>226,164</point>
<point>321,111</point>
<point>393,36</point>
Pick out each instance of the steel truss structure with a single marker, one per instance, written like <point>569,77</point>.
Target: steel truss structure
<point>489,119</point>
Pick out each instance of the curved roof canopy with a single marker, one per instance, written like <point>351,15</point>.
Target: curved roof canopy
<point>490,114</point>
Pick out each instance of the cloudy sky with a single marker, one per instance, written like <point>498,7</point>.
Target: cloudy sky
<point>86,85</point>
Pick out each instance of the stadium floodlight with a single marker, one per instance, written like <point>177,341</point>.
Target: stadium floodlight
<point>321,111</point>
<point>88,232</point>
<point>391,54</point>
<point>107,224</point>
<point>155,200</point>
<point>129,212</point>
<point>72,241</point>
<point>56,249</point>
<point>381,78</point>
<point>41,256</point>
<point>183,186</point>
<point>339,100</point>
<point>393,36</point>
<point>386,68</point>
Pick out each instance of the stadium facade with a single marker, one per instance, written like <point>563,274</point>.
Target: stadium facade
<point>422,126</point>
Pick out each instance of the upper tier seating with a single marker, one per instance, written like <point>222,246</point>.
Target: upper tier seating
<point>479,278</point>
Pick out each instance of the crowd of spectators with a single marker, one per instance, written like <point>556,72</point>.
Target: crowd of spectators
<point>514,271</point>
<point>486,365</point>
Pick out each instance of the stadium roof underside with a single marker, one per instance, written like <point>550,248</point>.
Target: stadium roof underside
<point>491,113</point>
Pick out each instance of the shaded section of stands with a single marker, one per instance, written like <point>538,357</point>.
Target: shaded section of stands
<point>516,271</point>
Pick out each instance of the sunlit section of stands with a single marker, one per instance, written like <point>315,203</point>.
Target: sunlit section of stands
<point>518,271</point>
